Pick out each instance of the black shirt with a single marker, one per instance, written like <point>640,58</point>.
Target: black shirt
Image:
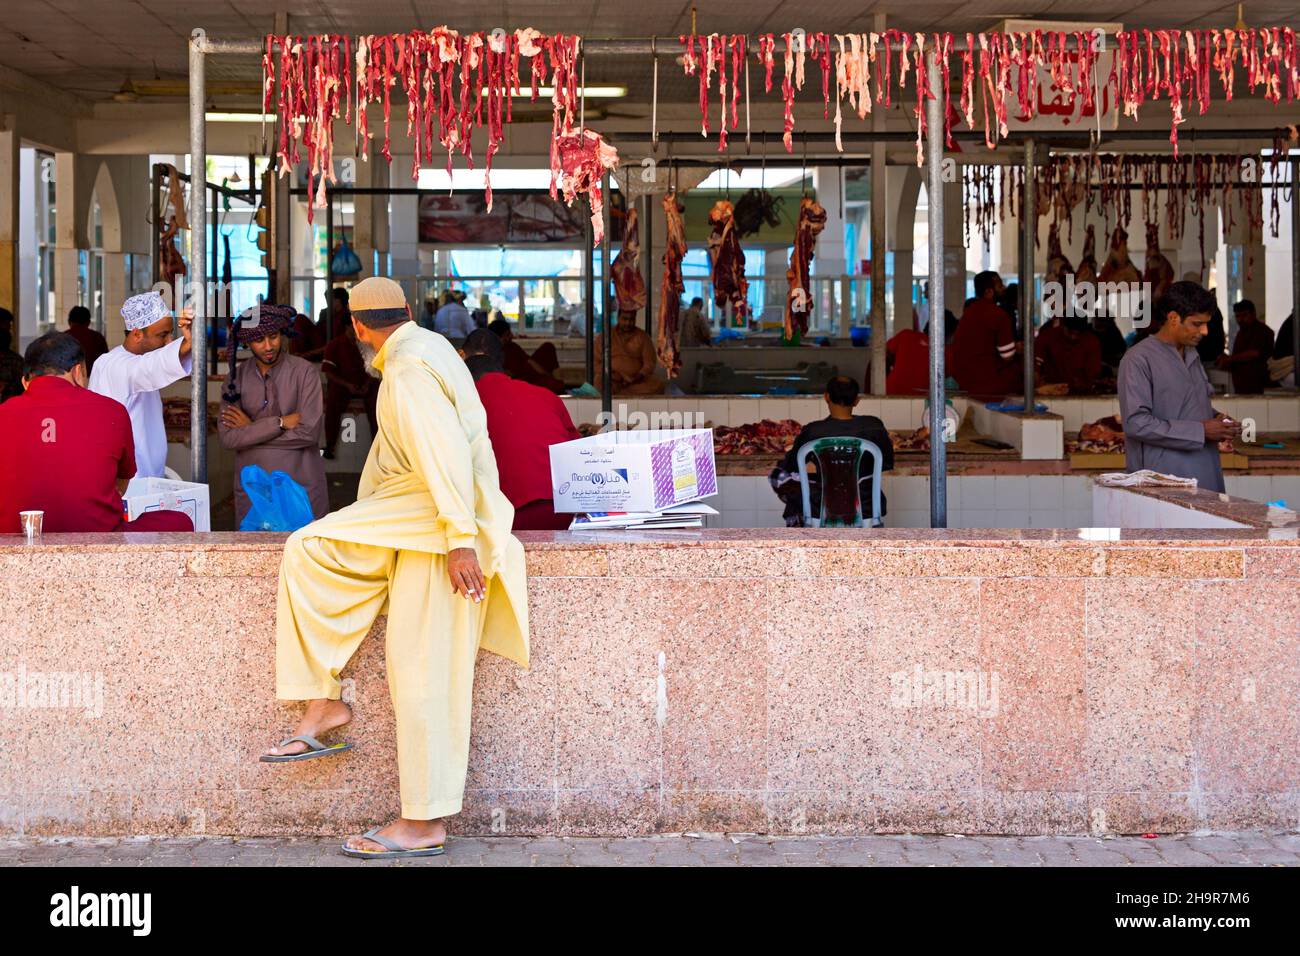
<point>859,426</point>
<point>1284,345</point>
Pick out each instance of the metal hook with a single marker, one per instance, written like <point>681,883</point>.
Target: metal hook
<point>804,178</point>
<point>654,98</point>
<point>582,99</point>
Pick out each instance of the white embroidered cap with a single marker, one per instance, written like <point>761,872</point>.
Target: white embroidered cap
<point>143,310</point>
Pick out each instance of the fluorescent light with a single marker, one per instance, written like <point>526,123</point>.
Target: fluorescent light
<point>239,117</point>
<point>472,179</point>
<point>594,92</point>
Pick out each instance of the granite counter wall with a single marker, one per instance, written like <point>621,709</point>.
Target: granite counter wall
<point>781,681</point>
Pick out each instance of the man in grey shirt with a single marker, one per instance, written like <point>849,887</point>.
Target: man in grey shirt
<point>1170,425</point>
<point>453,319</point>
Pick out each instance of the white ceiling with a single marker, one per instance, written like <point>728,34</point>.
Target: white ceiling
<point>88,47</point>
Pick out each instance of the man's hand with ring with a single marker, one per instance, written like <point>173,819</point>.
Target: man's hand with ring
<point>466,575</point>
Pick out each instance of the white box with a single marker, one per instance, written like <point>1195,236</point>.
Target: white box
<point>166,494</point>
<point>640,470</point>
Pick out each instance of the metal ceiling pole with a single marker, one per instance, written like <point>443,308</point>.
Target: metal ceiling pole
<point>589,294</point>
<point>606,326</point>
<point>1295,267</point>
<point>1028,229</point>
<point>155,202</point>
<point>934,198</point>
<point>879,202</point>
<point>198,282</point>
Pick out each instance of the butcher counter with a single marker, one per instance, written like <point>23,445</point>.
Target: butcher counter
<point>782,681</point>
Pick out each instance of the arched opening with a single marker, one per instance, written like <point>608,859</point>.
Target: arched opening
<point>103,235</point>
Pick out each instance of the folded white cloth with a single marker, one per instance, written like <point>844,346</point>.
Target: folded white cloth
<point>1144,478</point>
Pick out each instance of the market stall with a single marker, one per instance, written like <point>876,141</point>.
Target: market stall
<point>970,89</point>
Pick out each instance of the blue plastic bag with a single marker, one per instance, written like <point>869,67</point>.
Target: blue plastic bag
<point>344,262</point>
<point>276,501</point>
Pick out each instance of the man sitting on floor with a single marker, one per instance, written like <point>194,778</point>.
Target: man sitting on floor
<point>69,452</point>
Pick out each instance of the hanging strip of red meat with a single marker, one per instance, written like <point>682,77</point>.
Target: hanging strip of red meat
<point>671,286</point>
<point>584,157</point>
<point>625,271</point>
<point>799,297</point>
<point>727,260</point>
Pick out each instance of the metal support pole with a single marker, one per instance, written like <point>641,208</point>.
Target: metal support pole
<point>606,326</point>
<point>648,231</point>
<point>198,262</point>
<point>934,195</point>
<point>214,271</point>
<point>155,202</point>
<point>1028,231</point>
<point>1295,267</point>
<point>878,209</point>
<point>329,264</point>
<point>589,296</point>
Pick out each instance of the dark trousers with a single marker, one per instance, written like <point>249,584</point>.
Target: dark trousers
<point>337,401</point>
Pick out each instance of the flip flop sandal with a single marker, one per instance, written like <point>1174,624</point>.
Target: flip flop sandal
<point>314,749</point>
<point>391,851</point>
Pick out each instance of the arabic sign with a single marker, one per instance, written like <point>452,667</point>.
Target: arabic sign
<point>462,219</point>
<point>1057,109</point>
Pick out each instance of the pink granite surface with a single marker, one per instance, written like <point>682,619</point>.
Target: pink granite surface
<point>773,680</point>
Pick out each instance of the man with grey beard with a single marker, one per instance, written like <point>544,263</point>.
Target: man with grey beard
<point>428,539</point>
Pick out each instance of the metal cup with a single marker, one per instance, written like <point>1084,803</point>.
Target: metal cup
<point>31,522</point>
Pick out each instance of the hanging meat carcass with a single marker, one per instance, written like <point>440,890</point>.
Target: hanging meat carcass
<point>727,261</point>
<point>799,298</point>
<point>625,270</point>
<point>172,265</point>
<point>1159,272</point>
<point>582,157</point>
<point>1058,266</point>
<point>1087,271</point>
<point>671,287</point>
<point>1118,267</point>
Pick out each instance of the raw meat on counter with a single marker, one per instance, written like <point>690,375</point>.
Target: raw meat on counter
<point>918,440</point>
<point>758,438</point>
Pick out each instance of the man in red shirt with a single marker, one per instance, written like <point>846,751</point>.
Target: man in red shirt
<point>92,343</point>
<point>985,354</point>
<point>908,353</point>
<point>523,421</point>
<point>69,452</point>
<point>1069,351</point>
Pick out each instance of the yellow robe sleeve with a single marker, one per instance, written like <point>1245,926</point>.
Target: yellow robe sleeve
<point>428,429</point>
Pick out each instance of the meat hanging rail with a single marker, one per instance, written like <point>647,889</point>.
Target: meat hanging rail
<point>1268,57</point>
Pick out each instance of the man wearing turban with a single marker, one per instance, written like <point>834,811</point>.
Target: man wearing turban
<point>150,358</point>
<point>429,538</point>
<point>272,408</point>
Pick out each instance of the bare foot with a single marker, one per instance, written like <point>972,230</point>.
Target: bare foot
<point>408,834</point>
<point>320,717</point>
